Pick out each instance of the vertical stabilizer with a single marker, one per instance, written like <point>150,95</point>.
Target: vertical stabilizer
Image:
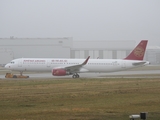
<point>138,52</point>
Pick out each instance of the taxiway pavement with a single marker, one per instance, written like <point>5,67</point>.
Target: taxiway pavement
<point>99,75</point>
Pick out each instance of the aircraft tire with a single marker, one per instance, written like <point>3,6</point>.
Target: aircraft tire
<point>77,76</point>
<point>74,76</point>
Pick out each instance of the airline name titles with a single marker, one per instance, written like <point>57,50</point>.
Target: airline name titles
<point>43,61</point>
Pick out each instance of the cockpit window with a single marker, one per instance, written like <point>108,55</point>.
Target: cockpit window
<point>12,62</point>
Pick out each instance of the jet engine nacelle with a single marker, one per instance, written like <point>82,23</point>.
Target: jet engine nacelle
<point>59,72</point>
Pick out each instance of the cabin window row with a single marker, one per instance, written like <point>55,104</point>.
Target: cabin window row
<point>103,63</point>
<point>65,63</point>
<point>74,63</point>
<point>90,63</point>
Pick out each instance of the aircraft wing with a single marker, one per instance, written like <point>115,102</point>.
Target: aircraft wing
<point>77,68</point>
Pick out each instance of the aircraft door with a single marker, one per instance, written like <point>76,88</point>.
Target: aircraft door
<point>123,64</point>
<point>20,63</point>
<point>48,63</point>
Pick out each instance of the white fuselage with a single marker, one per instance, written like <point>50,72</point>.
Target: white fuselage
<point>93,65</point>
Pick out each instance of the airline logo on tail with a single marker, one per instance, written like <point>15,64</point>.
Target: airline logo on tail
<point>138,52</point>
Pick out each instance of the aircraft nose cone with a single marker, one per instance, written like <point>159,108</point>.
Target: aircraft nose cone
<point>7,66</point>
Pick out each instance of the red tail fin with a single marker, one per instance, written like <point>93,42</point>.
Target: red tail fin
<point>138,52</point>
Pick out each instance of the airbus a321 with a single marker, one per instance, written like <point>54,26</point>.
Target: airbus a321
<point>62,67</point>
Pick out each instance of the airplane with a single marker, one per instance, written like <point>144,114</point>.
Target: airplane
<point>64,66</point>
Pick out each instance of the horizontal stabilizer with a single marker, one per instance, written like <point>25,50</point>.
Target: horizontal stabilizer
<point>139,63</point>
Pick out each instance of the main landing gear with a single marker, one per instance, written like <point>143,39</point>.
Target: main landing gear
<point>75,75</point>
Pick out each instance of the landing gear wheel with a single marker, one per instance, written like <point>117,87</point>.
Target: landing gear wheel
<point>75,76</point>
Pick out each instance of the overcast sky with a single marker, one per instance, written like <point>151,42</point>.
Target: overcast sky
<point>81,19</point>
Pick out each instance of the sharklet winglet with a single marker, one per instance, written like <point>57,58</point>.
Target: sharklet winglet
<point>85,62</point>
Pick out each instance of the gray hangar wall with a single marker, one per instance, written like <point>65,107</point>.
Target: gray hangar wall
<point>12,48</point>
<point>102,49</point>
<point>112,49</point>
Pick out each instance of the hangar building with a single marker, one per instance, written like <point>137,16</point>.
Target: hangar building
<point>101,49</point>
<point>11,48</point>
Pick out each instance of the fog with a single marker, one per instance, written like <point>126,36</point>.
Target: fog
<point>81,19</point>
